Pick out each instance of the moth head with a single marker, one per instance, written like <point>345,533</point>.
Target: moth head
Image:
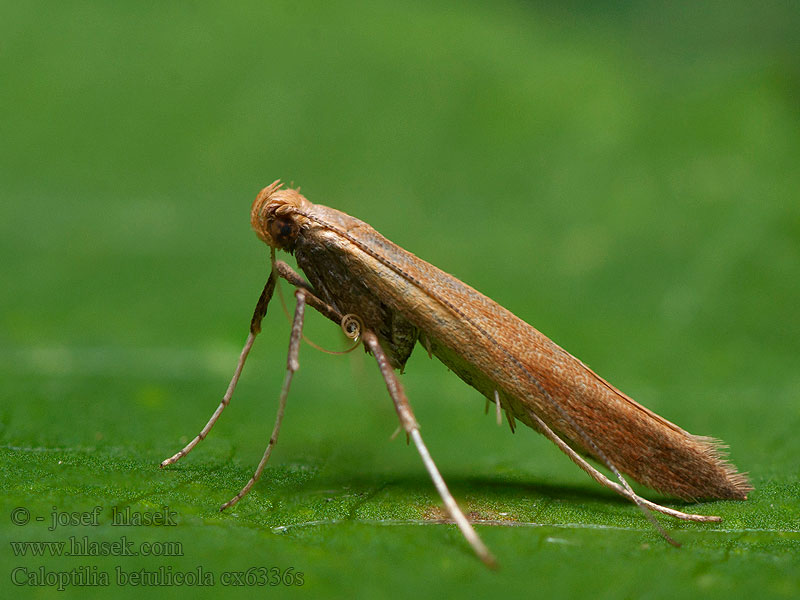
<point>276,215</point>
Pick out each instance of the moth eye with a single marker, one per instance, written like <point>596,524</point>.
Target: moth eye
<point>283,231</point>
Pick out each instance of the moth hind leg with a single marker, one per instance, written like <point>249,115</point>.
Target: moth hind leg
<point>600,478</point>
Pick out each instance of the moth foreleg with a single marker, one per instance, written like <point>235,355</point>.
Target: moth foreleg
<point>292,365</point>
<point>409,423</point>
<point>255,329</point>
<point>294,278</point>
<point>289,274</point>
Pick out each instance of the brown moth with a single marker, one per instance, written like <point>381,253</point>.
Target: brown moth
<point>397,300</point>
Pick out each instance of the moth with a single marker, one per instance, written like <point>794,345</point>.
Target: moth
<point>393,301</point>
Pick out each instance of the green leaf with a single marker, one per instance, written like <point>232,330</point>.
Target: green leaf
<point>623,178</point>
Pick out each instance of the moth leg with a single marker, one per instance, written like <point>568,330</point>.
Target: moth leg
<point>411,427</point>
<point>511,421</point>
<point>294,278</point>
<point>292,365</point>
<point>255,329</point>
<point>605,481</point>
<point>350,324</point>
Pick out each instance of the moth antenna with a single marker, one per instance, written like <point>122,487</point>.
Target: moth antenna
<point>287,273</point>
<point>591,445</point>
<point>613,485</point>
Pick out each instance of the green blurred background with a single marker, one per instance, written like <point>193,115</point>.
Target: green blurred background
<point>623,176</point>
